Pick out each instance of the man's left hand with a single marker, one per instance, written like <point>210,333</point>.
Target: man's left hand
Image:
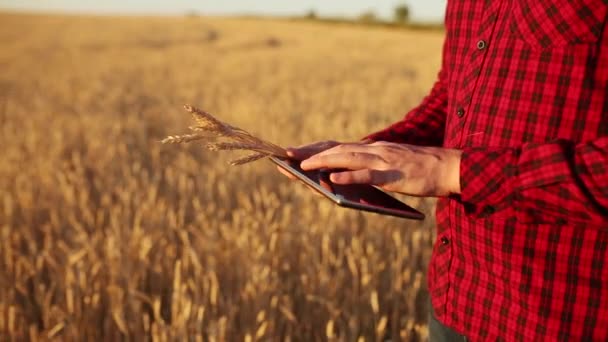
<point>407,169</point>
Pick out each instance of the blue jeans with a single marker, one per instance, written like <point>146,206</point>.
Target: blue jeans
<point>438,332</point>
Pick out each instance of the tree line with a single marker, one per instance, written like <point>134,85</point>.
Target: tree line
<point>401,15</point>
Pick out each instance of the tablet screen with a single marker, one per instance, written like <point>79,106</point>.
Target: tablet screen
<point>357,196</point>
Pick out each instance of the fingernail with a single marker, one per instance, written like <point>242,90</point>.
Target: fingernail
<point>334,177</point>
<point>305,163</point>
<point>290,151</point>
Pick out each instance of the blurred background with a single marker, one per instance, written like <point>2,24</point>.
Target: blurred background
<point>430,11</point>
<point>108,235</point>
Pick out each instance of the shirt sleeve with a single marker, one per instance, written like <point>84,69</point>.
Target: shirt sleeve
<point>555,182</point>
<point>425,124</point>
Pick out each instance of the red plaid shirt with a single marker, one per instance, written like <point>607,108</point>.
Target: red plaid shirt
<point>522,253</point>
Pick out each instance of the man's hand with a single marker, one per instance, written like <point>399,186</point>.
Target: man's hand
<point>408,169</point>
<point>307,151</point>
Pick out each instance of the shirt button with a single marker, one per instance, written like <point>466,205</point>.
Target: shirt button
<point>445,241</point>
<point>481,44</point>
<point>460,112</point>
<point>489,210</point>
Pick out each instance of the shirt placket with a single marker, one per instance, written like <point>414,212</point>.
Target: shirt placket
<point>475,60</point>
<point>463,103</point>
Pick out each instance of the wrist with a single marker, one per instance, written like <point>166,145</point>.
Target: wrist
<point>453,174</point>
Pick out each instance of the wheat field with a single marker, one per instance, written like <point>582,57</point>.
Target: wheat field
<point>106,234</point>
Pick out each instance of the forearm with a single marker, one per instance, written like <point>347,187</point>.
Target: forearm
<point>556,182</point>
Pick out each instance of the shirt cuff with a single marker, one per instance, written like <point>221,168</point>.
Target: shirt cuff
<point>492,179</point>
<point>487,177</point>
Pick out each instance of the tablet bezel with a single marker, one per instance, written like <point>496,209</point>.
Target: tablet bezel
<point>411,213</point>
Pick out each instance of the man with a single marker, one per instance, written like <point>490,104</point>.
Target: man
<point>513,138</point>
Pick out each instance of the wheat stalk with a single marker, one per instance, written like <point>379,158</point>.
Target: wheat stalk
<point>248,159</point>
<point>184,138</point>
<point>221,136</point>
<point>231,146</point>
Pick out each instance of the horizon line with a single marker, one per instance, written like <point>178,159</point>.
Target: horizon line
<point>192,12</point>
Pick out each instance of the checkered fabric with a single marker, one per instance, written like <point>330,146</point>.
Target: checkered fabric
<point>522,253</point>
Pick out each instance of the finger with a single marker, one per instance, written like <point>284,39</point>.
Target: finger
<point>292,177</point>
<point>367,176</point>
<point>347,148</point>
<point>315,191</point>
<point>348,160</point>
<point>352,148</point>
<point>306,151</point>
<point>352,177</point>
<point>285,173</point>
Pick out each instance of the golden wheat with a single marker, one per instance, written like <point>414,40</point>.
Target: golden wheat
<point>237,139</point>
<point>108,235</point>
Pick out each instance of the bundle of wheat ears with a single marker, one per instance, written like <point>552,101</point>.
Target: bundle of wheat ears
<point>220,136</point>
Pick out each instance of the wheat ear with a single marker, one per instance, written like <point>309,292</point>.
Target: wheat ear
<point>248,159</point>
<point>221,136</point>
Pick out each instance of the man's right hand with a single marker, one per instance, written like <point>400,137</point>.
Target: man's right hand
<point>307,151</point>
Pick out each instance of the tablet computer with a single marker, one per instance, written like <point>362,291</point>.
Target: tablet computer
<point>356,196</point>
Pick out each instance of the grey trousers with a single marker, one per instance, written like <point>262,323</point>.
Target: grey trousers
<point>438,332</point>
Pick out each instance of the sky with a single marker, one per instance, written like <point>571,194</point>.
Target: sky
<point>421,10</point>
